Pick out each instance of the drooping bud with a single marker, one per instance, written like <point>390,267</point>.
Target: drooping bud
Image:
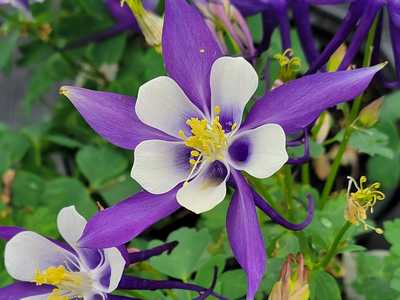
<point>150,24</point>
<point>289,65</point>
<point>369,115</point>
<point>336,59</point>
<point>292,285</point>
<point>362,200</point>
<point>228,26</point>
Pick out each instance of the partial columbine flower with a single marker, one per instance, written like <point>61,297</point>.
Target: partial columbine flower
<point>361,201</point>
<point>360,16</point>
<point>190,138</point>
<point>49,269</point>
<point>292,285</point>
<point>52,270</point>
<point>226,22</point>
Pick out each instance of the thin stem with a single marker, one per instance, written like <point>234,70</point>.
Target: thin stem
<point>335,244</point>
<point>288,187</point>
<point>352,117</point>
<point>305,174</point>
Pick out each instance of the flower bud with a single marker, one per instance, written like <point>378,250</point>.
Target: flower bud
<point>292,286</point>
<point>336,59</point>
<point>369,115</point>
<point>228,26</point>
<point>149,23</point>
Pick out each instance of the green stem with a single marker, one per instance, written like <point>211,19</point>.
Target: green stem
<point>288,187</point>
<point>305,174</point>
<point>352,117</point>
<point>335,244</point>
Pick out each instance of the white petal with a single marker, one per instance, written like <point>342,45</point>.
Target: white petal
<point>28,251</point>
<point>205,191</point>
<point>160,165</point>
<point>233,82</point>
<point>260,152</point>
<point>70,225</point>
<point>37,297</point>
<point>162,104</point>
<point>117,264</point>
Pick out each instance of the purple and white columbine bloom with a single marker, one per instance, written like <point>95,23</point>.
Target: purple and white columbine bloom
<point>190,139</point>
<point>49,269</point>
<point>361,15</point>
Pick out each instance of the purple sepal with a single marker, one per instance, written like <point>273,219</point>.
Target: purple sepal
<point>245,235</point>
<point>146,254</point>
<point>112,116</point>
<point>277,218</point>
<point>119,224</point>
<point>299,102</point>
<point>189,50</point>
<point>19,290</point>
<point>8,232</point>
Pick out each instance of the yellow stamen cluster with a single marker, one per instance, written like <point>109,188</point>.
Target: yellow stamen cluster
<point>61,278</point>
<point>208,140</point>
<point>289,65</point>
<point>359,202</point>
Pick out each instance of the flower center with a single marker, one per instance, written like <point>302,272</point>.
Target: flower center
<point>68,284</point>
<point>208,140</point>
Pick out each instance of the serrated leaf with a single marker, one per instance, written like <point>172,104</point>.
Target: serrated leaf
<point>99,164</point>
<point>323,286</point>
<point>190,254</point>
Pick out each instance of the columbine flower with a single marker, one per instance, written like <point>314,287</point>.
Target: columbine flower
<point>292,286</point>
<point>359,202</point>
<point>56,270</point>
<point>226,21</point>
<point>190,140</point>
<point>49,269</point>
<point>361,16</point>
<point>275,14</point>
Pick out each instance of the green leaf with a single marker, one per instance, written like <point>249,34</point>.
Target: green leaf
<point>63,192</point>
<point>7,46</point>
<point>99,164</point>
<point>14,146</point>
<point>64,141</point>
<point>190,254</point>
<point>372,142</point>
<point>392,231</point>
<point>119,189</point>
<point>27,189</point>
<point>234,284</point>
<point>109,51</point>
<point>390,111</point>
<point>323,286</point>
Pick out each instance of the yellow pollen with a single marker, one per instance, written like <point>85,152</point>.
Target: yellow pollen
<point>359,202</point>
<point>234,126</point>
<point>52,275</point>
<point>208,140</point>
